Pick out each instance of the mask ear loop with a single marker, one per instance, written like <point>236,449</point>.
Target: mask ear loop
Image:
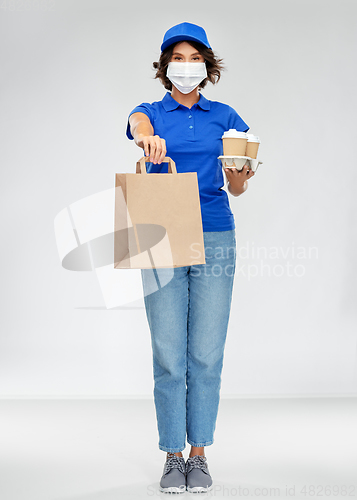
<point>199,87</point>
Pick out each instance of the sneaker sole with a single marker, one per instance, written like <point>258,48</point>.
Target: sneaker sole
<point>173,489</point>
<point>199,489</point>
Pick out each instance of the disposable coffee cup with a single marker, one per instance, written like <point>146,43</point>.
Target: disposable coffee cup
<point>234,143</point>
<point>252,147</point>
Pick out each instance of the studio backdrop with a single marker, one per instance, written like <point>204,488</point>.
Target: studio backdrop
<point>72,70</point>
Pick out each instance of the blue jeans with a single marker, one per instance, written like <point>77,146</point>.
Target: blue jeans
<point>188,320</point>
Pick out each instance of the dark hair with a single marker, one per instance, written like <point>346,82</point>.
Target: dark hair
<point>213,64</point>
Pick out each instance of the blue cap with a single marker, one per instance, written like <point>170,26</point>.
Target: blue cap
<point>185,31</point>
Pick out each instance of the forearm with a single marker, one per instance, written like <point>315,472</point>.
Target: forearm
<point>143,135</point>
<point>237,190</point>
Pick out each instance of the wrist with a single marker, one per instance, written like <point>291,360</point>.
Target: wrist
<point>238,190</point>
<point>139,140</point>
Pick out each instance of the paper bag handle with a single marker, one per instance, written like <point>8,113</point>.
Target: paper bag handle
<point>141,167</point>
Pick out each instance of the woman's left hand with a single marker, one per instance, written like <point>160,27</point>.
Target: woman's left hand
<point>237,178</point>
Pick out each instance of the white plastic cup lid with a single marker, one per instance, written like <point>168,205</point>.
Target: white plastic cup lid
<point>233,133</point>
<point>253,138</point>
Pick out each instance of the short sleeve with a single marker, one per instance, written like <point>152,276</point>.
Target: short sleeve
<point>235,121</point>
<point>146,108</point>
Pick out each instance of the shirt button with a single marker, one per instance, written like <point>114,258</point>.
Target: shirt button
<point>190,126</point>
<point>190,116</point>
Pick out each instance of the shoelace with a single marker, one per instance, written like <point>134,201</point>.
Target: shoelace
<point>174,462</point>
<point>197,462</point>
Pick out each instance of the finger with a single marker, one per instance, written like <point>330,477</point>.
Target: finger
<point>163,150</point>
<point>239,172</point>
<point>158,150</point>
<point>146,146</point>
<point>152,149</point>
<point>244,172</point>
<point>229,172</point>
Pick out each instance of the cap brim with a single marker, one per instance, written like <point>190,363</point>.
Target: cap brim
<point>181,38</point>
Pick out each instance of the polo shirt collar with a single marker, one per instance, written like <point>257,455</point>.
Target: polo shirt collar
<point>170,104</point>
<point>203,103</point>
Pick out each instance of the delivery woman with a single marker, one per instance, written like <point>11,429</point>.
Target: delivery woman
<point>188,317</point>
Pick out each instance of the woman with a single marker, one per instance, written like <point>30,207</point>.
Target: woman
<point>188,317</point>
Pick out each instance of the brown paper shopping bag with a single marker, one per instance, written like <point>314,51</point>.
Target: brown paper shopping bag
<point>157,219</point>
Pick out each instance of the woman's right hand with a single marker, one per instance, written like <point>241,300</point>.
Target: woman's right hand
<point>155,147</point>
<point>143,133</point>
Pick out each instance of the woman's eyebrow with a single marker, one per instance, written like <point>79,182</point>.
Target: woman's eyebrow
<point>178,54</point>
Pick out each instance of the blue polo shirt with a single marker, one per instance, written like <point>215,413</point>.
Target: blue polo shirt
<point>194,141</point>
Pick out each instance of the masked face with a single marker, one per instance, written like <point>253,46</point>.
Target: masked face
<point>186,76</point>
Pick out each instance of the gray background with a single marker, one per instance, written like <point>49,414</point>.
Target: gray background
<point>70,76</point>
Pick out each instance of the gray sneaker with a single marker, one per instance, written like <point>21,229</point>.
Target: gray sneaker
<point>173,478</point>
<point>198,478</point>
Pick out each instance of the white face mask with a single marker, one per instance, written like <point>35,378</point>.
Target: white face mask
<point>186,76</point>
